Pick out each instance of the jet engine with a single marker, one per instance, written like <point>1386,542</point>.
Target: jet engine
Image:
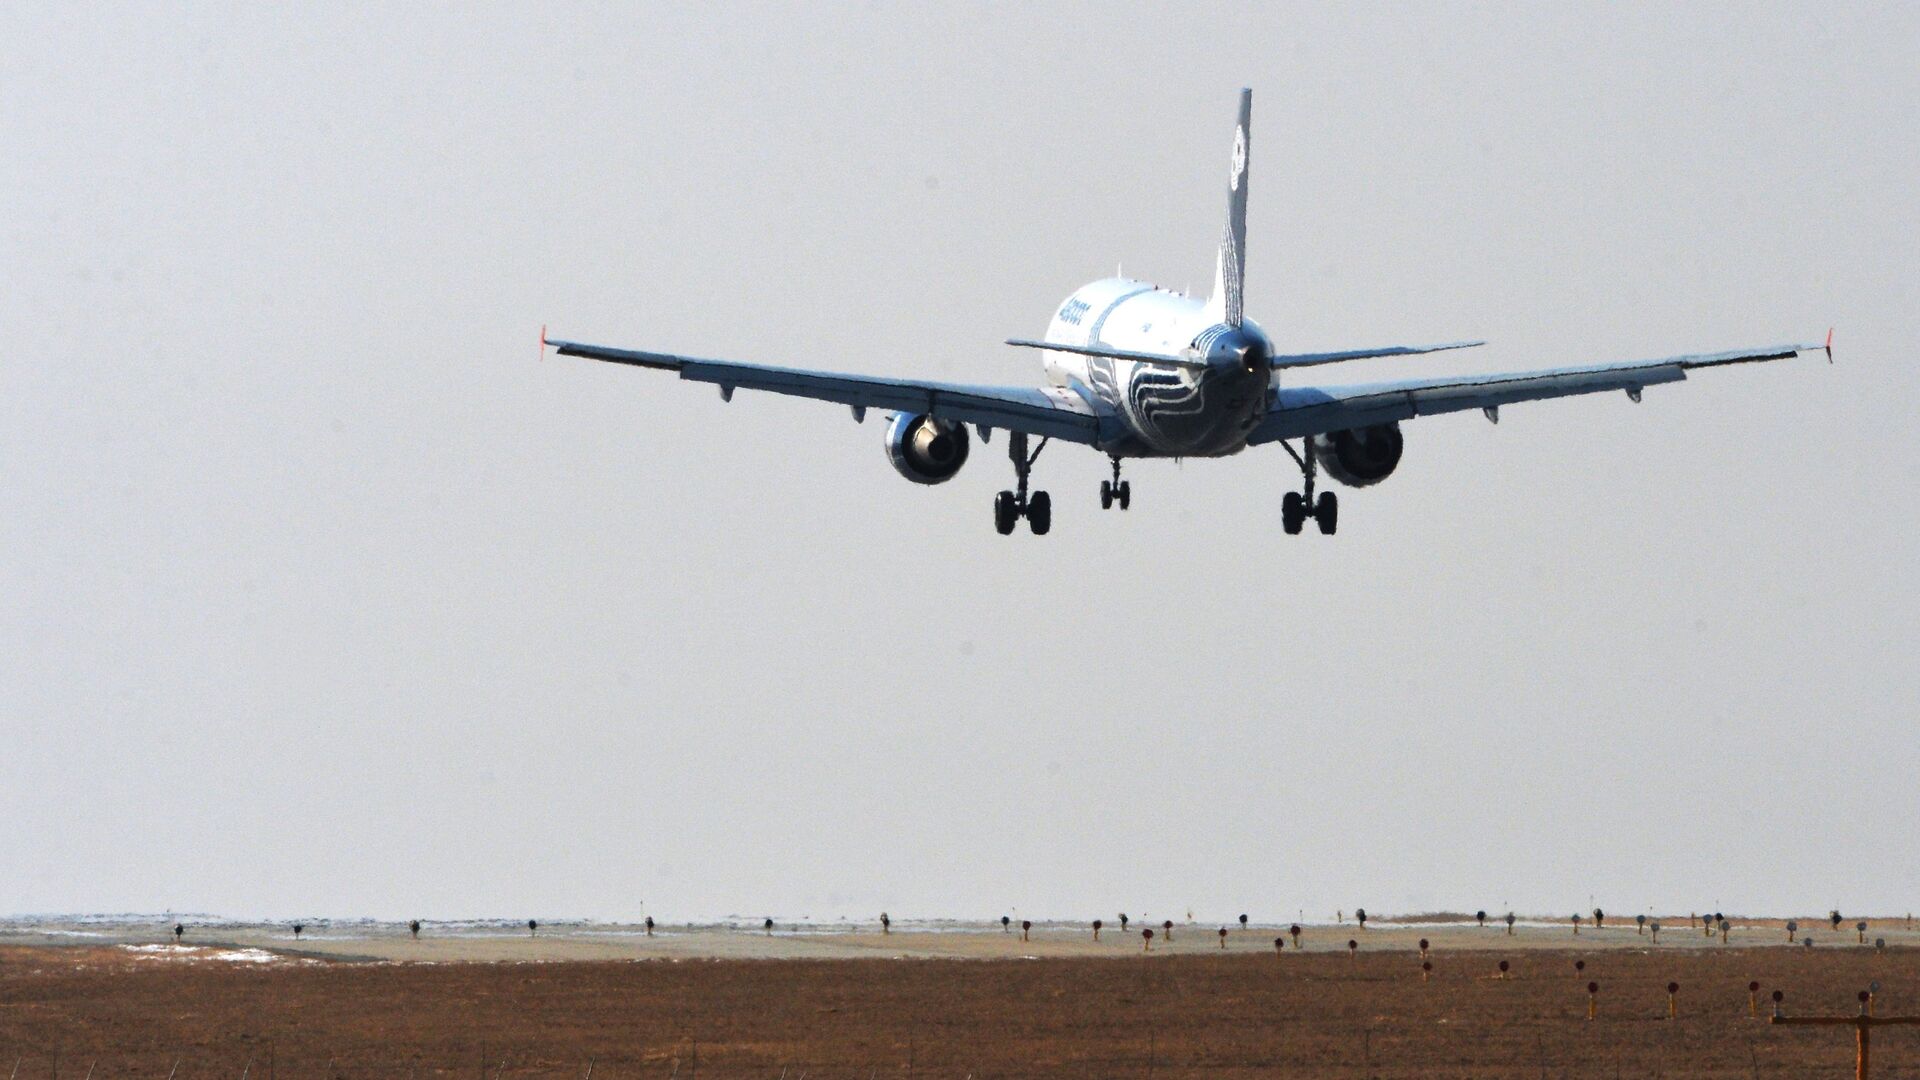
<point>926,450</point>
<point>1360,457</point>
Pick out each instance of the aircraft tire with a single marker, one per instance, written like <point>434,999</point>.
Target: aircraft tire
<point>1126,494</point>
<point>1040,513</point>
<point>1005,513</point>
<point>1327,513</point>
<point>1293,513</point>
<point>1106,494</point>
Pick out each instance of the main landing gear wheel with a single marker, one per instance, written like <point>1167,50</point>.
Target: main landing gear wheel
<point>1040,513</point>
<point>1115,490</point>
<point>1326,513</point>
<point>1297,506</point>
<point>1010,506</point>
<point>1005,513</point>
<point>1293,513</point>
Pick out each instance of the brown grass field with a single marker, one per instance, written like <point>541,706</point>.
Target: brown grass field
<point>70,1011</point>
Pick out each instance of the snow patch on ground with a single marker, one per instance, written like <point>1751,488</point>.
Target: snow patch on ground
<point>200,952</point>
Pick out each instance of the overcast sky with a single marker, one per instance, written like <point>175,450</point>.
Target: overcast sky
<point>322,595</point>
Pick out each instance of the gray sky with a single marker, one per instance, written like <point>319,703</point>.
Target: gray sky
<point>322,595</point>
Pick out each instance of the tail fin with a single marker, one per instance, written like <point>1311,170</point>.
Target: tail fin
<point>1230,270</point>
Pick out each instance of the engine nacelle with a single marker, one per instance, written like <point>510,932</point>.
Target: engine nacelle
<point>1361,456</point>
<point>926,450</point>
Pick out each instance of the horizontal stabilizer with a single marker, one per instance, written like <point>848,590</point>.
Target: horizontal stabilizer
<point>1114,354</point>
<point>1310,359</point>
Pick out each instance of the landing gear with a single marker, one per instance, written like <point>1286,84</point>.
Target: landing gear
<point>1297,506</point>
<point>1010,506</point>
<point>1115,490</point>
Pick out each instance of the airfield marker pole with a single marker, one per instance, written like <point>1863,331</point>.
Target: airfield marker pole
<point>1295,931</point>
<point>1509,924</point>
<point>1096,929</point>
<point>1861,1025</point>
<point>1353,948</point>
<point>1655,927</point>
<point>1792,929</point>
<point>1673,1001</point>
<point>1423,948</point>
<point>1146,939</point>
<point>1279,945</point>
<point>1243,921</point>
<point>1593,1000</point>
<point>1223,937</point>
<point>1166,931</point>
<point>1753,1000</point>
<point>1579,967</point>
<point>1861,929</point>
<point>1026,927</point>
<point>1426,970</point>
<point>1503,971</point>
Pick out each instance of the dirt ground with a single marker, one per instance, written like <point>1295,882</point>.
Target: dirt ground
<point>118,1013</point>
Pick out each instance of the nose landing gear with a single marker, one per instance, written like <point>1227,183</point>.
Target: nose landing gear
<point>1297,506</point>
<point>1115,490</point>
<point>1010,506</point>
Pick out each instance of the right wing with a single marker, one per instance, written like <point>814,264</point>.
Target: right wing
<point>1319,410</point>
<point>1051,411</point>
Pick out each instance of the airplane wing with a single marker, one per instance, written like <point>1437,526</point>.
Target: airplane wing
<point>1051,411</point>
<point>1317,410</point>
<point>1310,359</point>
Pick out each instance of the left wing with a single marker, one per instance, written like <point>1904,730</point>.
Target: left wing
<point>1051,411</point>
<point>1317,410</point>
<point>1311,359</point>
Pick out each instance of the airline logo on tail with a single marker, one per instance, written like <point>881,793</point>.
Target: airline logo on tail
<point>1239,158</point>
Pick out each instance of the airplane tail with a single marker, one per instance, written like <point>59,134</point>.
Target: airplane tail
<point>1229,271</point>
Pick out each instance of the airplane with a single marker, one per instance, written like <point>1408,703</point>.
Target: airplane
<point>1137,371</point>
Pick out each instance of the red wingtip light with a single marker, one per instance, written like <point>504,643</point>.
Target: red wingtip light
<point>543,341</point>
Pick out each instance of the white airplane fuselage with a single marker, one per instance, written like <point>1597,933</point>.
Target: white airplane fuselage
<point>1166,411</point>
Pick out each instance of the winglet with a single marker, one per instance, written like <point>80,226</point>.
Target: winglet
<point>1829,344</point>
<point>543,341</point>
